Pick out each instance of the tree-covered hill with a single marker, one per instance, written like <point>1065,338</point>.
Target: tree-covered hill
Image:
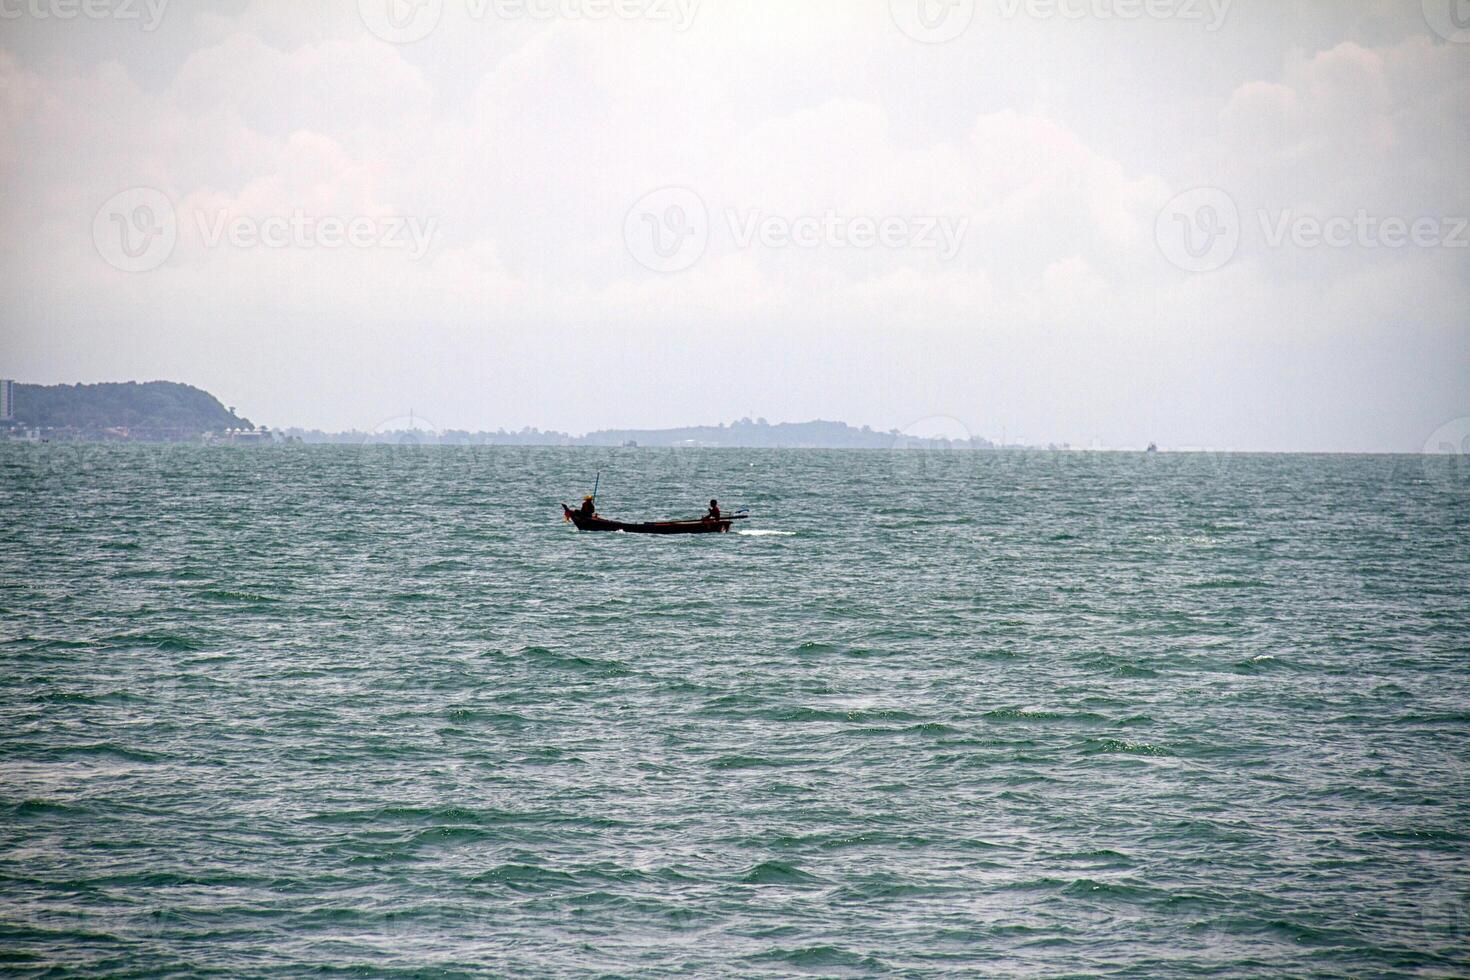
<point>163,407</point>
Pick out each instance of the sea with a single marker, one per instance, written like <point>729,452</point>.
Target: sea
<point>379,711</point>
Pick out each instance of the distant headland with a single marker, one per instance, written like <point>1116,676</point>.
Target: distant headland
<point>166,411</point>
<point>153,411</point>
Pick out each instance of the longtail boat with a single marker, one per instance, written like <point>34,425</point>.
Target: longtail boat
<point>707,525</point>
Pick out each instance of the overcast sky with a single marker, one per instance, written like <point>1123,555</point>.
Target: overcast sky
<point>1197,222</point>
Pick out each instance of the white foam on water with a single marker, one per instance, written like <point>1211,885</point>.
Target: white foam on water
<point>767,534</point>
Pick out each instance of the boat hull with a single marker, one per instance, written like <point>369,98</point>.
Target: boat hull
<point>649,527</point>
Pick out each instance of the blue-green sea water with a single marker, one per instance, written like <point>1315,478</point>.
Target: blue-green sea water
<point>378,710</point>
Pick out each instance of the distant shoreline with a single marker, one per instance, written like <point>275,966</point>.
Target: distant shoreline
<point>164,412</point>
<point>167,411</point>
<point>1054,450</point>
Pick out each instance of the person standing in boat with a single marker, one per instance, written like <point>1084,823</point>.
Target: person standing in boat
<point>714,511</point>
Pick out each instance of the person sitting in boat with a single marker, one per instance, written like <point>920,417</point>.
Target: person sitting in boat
<point>714,511</point>
<point>589,508</point>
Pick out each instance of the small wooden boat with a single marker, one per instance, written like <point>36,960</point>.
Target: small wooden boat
<point>707,525</point>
